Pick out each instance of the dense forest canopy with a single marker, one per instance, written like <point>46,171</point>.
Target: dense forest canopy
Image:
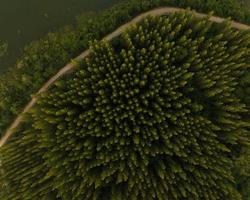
<point>112,131</point>
<point>41,59</point>
<point>157,113</point>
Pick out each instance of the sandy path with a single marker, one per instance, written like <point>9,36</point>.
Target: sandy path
<point>117,32</point>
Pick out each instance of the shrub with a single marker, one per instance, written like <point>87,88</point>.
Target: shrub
<point>154,114</point>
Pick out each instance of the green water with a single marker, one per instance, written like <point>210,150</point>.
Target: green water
<point>23,21</point>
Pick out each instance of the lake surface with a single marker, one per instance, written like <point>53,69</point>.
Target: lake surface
<point>23,21</point>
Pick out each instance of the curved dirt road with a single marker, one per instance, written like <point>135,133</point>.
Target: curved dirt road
<point>117,32</point>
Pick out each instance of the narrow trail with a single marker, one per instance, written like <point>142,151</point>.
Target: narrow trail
<point>69,67</point>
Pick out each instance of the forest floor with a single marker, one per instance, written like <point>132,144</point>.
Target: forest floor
<point>70,66</point>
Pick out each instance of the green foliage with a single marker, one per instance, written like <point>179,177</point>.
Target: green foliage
<point>26,172</point>
<point>41,59</point>
<point>3,48</point>
<point>242,173</point>
<point>242,169</point>
<point>155,114</point>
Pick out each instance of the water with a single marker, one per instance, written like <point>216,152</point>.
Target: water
<point>23,21</point>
